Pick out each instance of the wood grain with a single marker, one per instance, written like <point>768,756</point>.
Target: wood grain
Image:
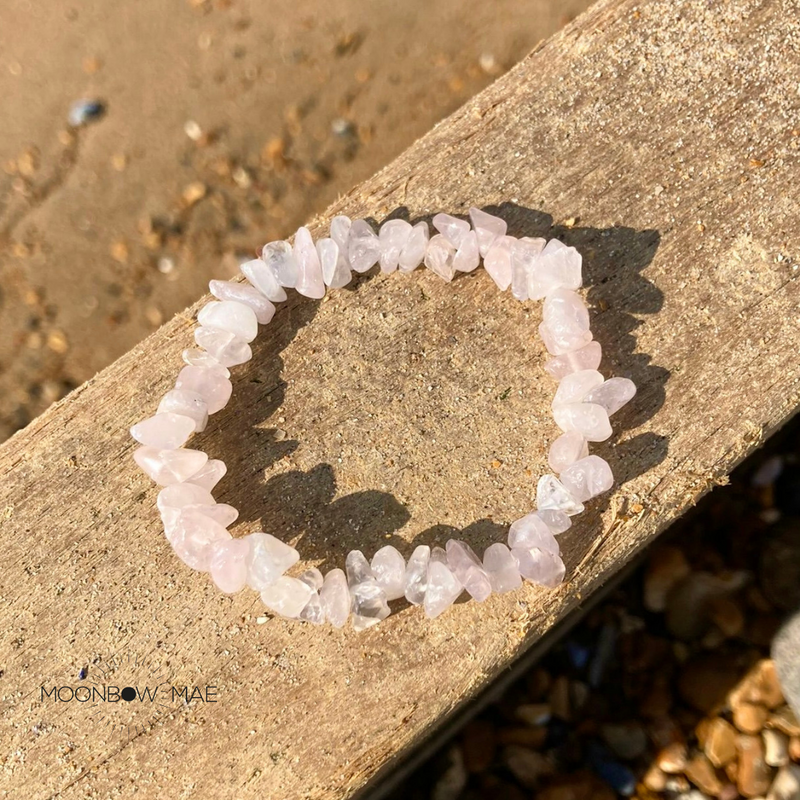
<point>659,137</point>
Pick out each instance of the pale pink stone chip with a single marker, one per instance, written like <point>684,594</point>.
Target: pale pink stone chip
<point>166,431</point>
<point>309,270</point>
<point>567,449</point>
<point>558,267</point>
<point>278,256</point>
<point>263,279</point>
<point>335,269</point>
<point>226,349</point>
<point>166,467</point>
<point>209,382</point>
<point>488,229</point>
<point>242,293</point>
<point>587,478</point>
<point>439,257</point>
<point>574,387</point>
<point>195,357</point>
<point>467,257</point>
<point>468,569</point>
<point>443,586</point>
<point>565,322</point>
<point>228,564</point>
<point>192,537</point>
<point>586,357</point>
<point>498,262</point>
<point>451,228</point>
<point>209,475</point>
<point>286,597</point>
<point>232,316</point>
<point>588,419</point>
<point>389,569</point>
<point>414,251</point>
<point>538,566</point>
<point>363,247</point>
<point>552,494</point>
<point>613,394</point>
<point>532,531</point>
<point>501,567</point>
<point>393,237</point>
<point>524,259</point>
<point>188,404</point>
<point>335,598</point>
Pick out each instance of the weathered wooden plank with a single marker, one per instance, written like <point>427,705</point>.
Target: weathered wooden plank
<point>405,409</point>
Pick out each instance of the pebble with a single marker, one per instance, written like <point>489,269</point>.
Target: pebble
<point>453,780</point>
<point>527,766</point>
<point>776,748</point>
<point>719,742</point>
<point>81,112</point>
<point>627,740</point>
<point>534,714</point>
<point>700,771</point>
<point>672,759</point>
<point>786,785</point>
<point>749,718</point>
<point>666,567</point>
<point>784,719</point>
<point>754,774</point>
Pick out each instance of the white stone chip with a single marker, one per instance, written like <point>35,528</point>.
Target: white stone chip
<point>269,558</point>
<point>363,247</point>
<point>335,598</point>
<point>487,227</point>
<point>416,576</point>
<point>501,567</point>
<point>613,394</point>
<point>286,596</point>
<point>263,278</point>
<point>551,493</point>
<point>587,478</point>
<point>389,569</point>
<point>369,600</point>
<point>468,569</point>
<point>278,256</point>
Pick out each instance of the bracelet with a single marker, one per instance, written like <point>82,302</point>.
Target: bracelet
<point>196,525</point>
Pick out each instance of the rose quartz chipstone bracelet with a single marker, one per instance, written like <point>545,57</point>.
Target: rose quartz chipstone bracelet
<point>197,526</point>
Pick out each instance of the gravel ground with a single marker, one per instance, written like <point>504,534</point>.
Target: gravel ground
<point>666,688</point>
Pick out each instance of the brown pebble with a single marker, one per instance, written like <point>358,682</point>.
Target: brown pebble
<point>727,615</point>
<point>666,567</point>
<point>719,742</point>
<point>57,342</point>
<point>702,774</point>
<point>749,718</point>
<point>578,786</point>
<point>784,719</point>
<point>478,745</point>
<point>672,759</point>
<point>760,686</point>
<point>755,775</point>
<point>119,251</point>
<point>654,779</point>
<point>534,714</point>
<point>526,765</point>
<point>193,193</point>
<point>528,737</point>
<point>728,792</point>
